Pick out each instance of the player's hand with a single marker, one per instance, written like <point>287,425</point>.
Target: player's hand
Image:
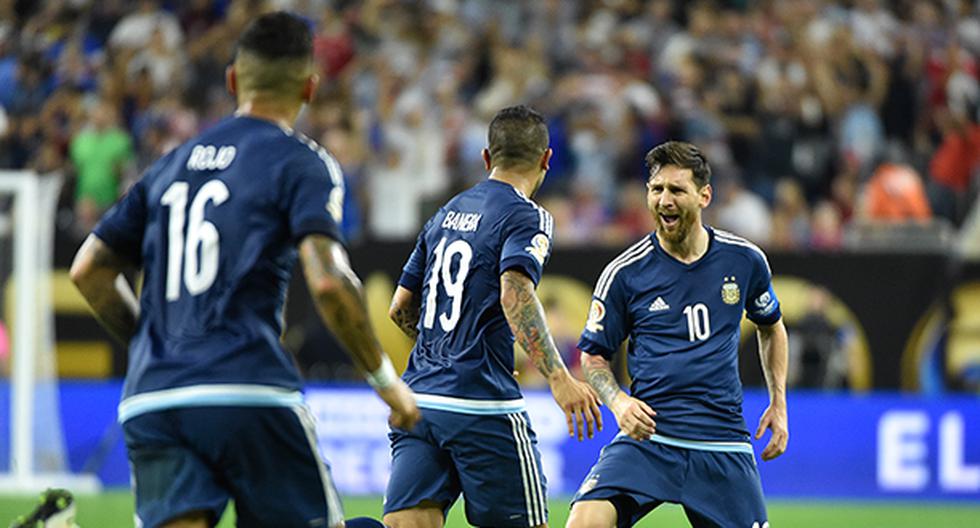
<point>580,403</point>
<point>404,411</point>
<point>634,416</point>
<point>775,419</point>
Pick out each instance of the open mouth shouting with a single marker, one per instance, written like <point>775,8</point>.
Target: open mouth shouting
<point>669,220</point>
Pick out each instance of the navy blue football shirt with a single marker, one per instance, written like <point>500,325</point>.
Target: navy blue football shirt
<point>463,359</point>
<point>214,225</point>
<point>683,325</point>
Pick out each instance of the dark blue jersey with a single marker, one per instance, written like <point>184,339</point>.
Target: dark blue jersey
<point>214,225</point>
<point>682,322</point>
<point>463,359</point>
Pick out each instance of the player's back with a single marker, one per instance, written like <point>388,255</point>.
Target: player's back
<point>465,348</point>
<point>214,225</point>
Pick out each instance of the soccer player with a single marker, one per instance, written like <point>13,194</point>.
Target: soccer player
<point>465,294</point>
<point>211,406</point>
<point>678,295</point>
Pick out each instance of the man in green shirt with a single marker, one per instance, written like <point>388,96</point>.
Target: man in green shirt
<point>100,153</point>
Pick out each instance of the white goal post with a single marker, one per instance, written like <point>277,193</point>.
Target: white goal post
<point>33,378</point>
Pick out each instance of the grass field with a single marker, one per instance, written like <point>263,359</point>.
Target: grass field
<point>114,510</point>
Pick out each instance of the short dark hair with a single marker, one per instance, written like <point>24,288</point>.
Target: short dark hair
<point>680,154</point>
<point>518,136</point>
<point>275,55</point>
<point>277,35</point>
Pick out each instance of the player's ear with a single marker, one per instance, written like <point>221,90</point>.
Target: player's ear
<point>546,159</point>
<point>231,80</point>
<point>486,158</point>
<point>309,89</point>
<point>705,194</point>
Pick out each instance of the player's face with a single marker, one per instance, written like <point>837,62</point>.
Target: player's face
<point>675,201</point>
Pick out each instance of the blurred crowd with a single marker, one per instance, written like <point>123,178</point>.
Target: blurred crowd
<point>815,115</point>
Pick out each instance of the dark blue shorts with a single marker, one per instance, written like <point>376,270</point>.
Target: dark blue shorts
<point>197,458</point>
<point>492,460</point>
<point>716,489</point>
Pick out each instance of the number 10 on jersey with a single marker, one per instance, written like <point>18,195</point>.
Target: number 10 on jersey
<point>442,268</point>
<point>698,322</point>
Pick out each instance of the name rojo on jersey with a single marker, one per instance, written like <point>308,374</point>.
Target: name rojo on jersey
<point>682,322</point>
<point>463,359</point>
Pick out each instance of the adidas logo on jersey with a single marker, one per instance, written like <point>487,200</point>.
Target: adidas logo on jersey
<point>659,305</point>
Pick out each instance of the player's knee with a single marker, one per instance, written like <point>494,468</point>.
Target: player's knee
<point>414,518</point>
<point>198,519</point>
<point>592,514</point>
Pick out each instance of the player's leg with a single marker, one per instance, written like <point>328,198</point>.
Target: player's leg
<point>723,489</point>
<point>174,486</point>
<point>629,480</point>
<point>500,470</point>
<point>423,483</point>
<point>269,460</point>
<point>198,519</point>
<point>592,514</point>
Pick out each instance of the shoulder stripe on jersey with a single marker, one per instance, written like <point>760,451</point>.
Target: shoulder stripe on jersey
<point>333,167</point>
<point>530,476</point>
<point>546,222</point>
<point>624,255</point>
<point>631,255</point>
<point>728,238</point>
<point>605,290</point>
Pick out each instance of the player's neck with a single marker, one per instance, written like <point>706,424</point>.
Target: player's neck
<point>282,114</point>
<point>521,181</point>
<point>693,247</point>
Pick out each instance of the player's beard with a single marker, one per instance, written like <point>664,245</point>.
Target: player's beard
<point>677,232</point>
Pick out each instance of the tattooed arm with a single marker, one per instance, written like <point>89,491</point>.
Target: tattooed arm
<point>97,273</point>
<point>634,416</point>
<point>404,311</point>
<point>339,299</point>
<point>525,315</point>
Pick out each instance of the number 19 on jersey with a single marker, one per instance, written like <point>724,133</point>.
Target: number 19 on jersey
<point>442,268</point>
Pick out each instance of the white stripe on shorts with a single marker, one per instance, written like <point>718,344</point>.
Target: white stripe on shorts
<point>533,493</point>
<point>335,510</point>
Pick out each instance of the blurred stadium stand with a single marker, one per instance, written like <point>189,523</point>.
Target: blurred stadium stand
<point>844,138</point>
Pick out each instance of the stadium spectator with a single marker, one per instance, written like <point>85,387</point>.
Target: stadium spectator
<point>895,193</point>
<point>805,91</point>
<point>100,153</point>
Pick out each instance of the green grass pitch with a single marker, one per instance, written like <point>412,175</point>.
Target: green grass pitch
<point>114,509</point>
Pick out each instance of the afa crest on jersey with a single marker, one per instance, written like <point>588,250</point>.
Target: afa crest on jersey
<point>730,293</point>
<point>539,247</point>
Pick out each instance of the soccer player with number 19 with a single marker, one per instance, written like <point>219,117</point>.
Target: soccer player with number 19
<point>466,293</point>
<point>678,296</point>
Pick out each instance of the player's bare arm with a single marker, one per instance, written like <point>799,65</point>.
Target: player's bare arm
<point>774,352</point>
<point>525,315</point>
<point>97,272</point>
<point>634,416</point>
<point>404,311</point>
<point>339,299</point>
